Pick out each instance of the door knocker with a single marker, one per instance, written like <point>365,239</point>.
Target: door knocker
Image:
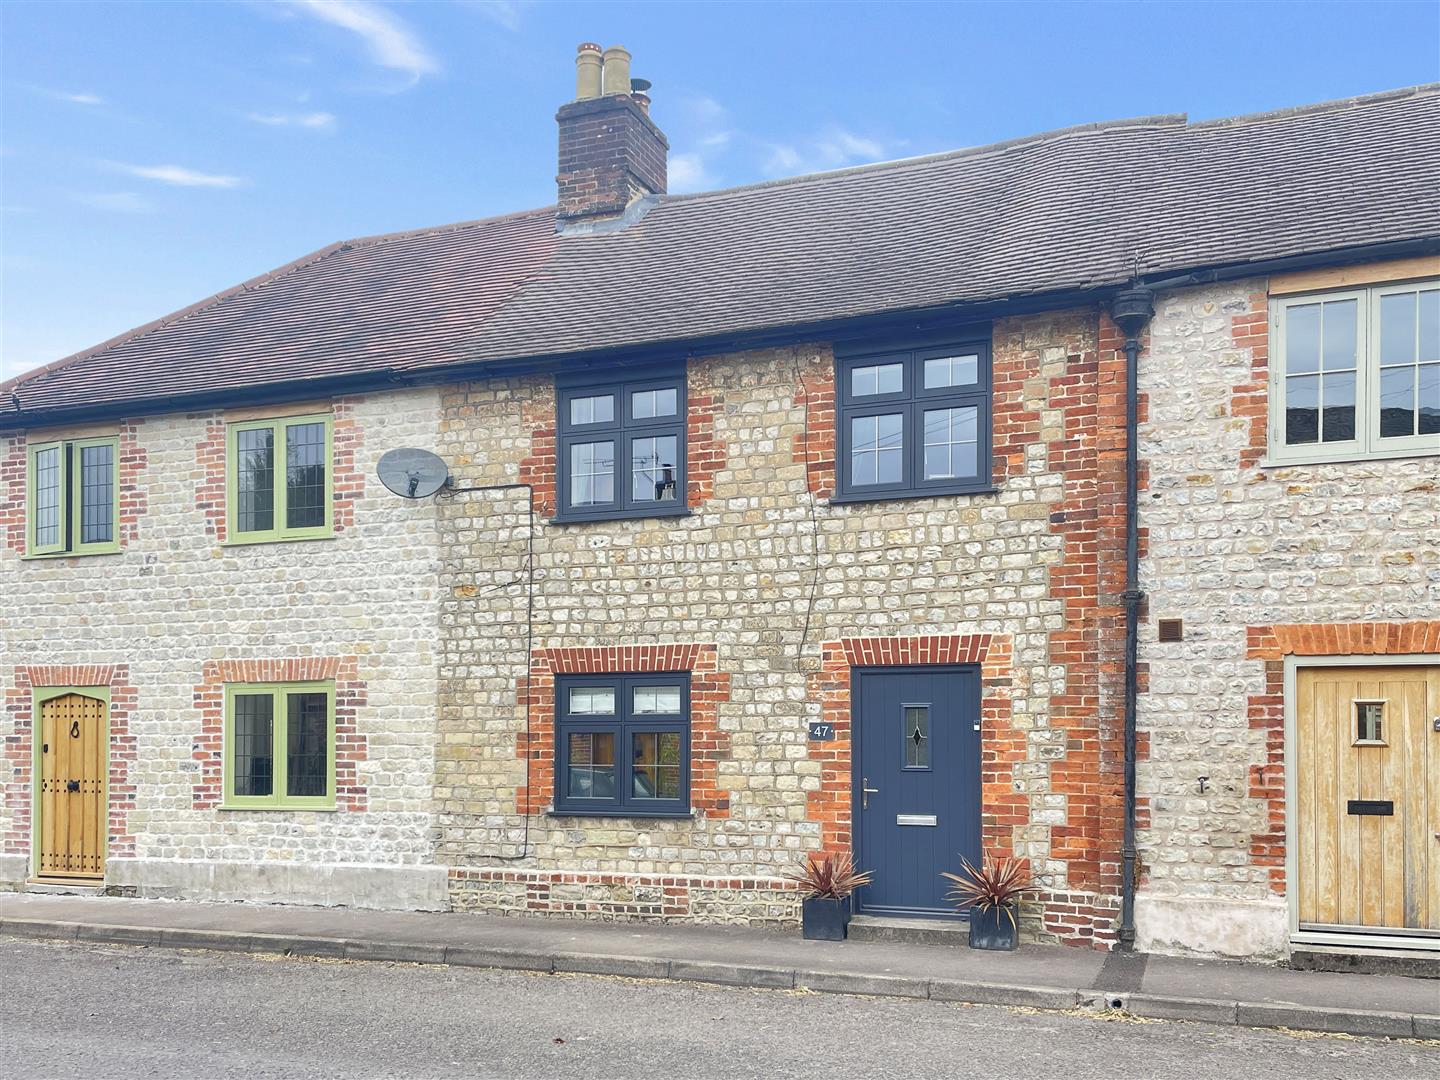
<point>74,729</point>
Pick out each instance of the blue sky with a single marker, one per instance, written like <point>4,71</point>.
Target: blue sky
<point>156,153</point>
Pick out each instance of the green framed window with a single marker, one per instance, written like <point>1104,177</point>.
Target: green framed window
<point>1355,374</point>
<point>279,482</point>
<point>73,497</point>
<point>279,746</point>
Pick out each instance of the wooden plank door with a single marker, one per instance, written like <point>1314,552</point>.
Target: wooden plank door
<point>72,830</point>
<point>1368,799</point>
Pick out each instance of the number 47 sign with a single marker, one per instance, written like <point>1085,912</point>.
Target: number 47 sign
<point>821,731</point>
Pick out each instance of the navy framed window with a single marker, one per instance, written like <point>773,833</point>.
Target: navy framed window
<point>622,745</point>
<point>914,421</point>
<point>622,447</point>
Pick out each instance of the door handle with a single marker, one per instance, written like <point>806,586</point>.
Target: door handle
<point>72,785</point>
<point>866,791</point>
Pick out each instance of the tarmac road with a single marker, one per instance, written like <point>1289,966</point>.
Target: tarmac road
<point>85,1010</point>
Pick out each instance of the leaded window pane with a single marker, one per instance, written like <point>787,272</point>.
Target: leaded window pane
<point>308,735</point>
<point>647,404</point>
<point>255,479</point>
<point>592,473</point>
<point>97,493</point>
<point>941,371</point>
<point>595,409</point>
<point>590,772</point>
<point>875,379</point>
<point>653,469</point>
<point>48,487</point>
<point>653,700</point>
<point>592,701</point>
<point>951,443</point>
<point>877,449</point>
<point>253,726</point>
<point>915,729</point>
<point>656,770</point>
<point>304,475</point>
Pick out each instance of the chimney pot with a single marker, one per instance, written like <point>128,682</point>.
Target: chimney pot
<point>587,71</point>
<point>617,70</point>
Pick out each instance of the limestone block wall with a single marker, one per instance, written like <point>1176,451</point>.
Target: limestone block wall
<point>176,614</point>
<point>1234,547</point>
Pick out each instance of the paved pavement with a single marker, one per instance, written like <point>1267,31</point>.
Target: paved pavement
<point>82,1009</point>
<point>1048,977</point>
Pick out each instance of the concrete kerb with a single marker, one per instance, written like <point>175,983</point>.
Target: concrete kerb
<point>1247,1014</point>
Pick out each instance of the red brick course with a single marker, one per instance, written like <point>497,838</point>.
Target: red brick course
<point>350,745</point>
<point>19,748</point>
<point>708,688</point>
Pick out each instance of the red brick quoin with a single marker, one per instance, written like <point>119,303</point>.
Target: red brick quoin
<point>708,687</point>
<point>1266,711</point>
<point>350,745</point>
<point>19,748</point>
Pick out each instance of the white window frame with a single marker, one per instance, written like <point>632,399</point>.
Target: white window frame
<point>1367,444</point>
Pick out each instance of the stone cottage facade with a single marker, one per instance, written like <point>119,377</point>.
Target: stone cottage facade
<point>784,520</point>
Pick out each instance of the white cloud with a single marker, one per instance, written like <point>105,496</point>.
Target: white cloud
<point>833,148</point>
<point>687,172</point>
<point>118,202</point>
<point>315,121</point>
<point>506,13</point>
<point>179,176</point>
<point>77,99</point>
<point>390,42</point>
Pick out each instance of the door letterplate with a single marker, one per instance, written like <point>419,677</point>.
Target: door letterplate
<point>915,819</point>
<point>1371,807</point>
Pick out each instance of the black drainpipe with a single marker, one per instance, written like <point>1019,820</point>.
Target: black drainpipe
<point>1131,310</point>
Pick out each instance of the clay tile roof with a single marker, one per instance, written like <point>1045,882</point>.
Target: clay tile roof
<point>1074,209</point>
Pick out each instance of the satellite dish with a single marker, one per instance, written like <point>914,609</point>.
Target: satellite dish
<point>412,473</point>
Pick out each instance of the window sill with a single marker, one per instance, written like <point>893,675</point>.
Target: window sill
<point>300,539</point>
<point>680,815</point>
<point>231,808</point>
<point>117,550</point>
<point>1349,458</point>
<point>893,496</point>
<point>621,515</point>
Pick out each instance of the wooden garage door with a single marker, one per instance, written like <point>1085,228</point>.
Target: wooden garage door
<point>72,826</point>
<point>1368,799</point>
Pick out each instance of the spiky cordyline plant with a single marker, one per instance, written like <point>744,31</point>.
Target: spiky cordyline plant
<point>831,878</point>
<point>995,883</point>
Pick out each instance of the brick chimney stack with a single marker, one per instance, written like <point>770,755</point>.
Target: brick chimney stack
<point>611,152</point>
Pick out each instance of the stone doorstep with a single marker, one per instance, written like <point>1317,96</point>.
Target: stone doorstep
<point>1298,1017</point>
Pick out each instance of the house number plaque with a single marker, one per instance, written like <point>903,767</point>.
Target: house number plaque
<point>820,731</point>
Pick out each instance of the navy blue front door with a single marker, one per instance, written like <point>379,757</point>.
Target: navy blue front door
<point>917,784</point>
